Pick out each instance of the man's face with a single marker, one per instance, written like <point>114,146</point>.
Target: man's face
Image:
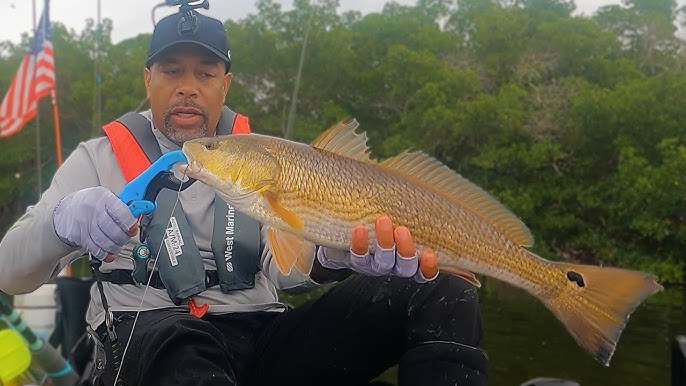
<point>186,87</point>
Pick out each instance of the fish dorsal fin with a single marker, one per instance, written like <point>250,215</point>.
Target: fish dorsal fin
<point>343,140</point>
<point>459,190</point>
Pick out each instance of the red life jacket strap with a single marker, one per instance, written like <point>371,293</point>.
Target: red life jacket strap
<point>130,156</point>
<point>241,125</point>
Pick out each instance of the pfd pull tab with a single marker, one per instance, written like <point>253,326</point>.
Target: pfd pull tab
<point>196,310</point>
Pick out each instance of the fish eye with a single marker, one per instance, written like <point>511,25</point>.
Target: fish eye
<point>210,145</point>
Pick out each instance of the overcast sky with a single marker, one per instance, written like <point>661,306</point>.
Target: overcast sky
<point>131,17</point>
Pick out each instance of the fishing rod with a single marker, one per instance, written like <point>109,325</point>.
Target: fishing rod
<point>45,356</point>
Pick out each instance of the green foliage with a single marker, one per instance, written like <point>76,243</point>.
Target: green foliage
<point>575,123</point>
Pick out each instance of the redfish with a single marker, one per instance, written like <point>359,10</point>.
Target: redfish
<point>315,194</point>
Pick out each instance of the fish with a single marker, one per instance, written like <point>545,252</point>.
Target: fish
<point>310,195</point>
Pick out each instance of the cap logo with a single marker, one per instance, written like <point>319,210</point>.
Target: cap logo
<point>188,26</point>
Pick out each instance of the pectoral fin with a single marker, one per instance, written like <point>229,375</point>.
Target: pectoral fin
<point>286,215</point>
<point>463,273</point>
<point>290,250</point>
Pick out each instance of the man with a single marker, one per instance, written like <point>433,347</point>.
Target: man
<point>398,310</point>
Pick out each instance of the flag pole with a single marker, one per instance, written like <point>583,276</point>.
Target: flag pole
<point>39,168</point>
<point>56,118</point>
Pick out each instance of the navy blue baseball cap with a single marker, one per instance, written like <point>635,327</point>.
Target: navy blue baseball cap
<point>199,29</point>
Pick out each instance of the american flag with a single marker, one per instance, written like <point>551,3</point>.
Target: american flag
<point>34,80</point>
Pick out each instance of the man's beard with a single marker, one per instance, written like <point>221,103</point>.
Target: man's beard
<point>179,136</point>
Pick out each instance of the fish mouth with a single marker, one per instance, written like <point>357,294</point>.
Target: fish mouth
<point>193,167</point>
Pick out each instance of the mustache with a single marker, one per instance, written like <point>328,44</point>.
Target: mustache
<point>186,103</point>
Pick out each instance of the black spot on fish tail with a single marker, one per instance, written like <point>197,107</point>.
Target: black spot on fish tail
<point>576,277</point>
<point>604,353</point>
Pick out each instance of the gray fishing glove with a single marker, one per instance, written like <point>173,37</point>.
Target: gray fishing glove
<point>383,262</point>
<point>94,219</point>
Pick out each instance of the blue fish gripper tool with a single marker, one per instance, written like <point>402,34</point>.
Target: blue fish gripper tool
<point>141,192</point>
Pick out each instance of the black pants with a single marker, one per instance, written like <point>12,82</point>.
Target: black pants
<point>349,336</point>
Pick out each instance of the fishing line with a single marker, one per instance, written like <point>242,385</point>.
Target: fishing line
<point>147,285</point>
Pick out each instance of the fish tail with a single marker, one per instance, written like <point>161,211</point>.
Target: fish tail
<point>595,304</point>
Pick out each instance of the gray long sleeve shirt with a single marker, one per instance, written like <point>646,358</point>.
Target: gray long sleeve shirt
<point>31,253</point>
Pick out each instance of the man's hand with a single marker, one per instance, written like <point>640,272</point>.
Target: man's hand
<point>395,254</point>
<point>94,219</point>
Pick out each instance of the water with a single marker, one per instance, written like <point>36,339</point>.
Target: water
<point>524,340</point>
